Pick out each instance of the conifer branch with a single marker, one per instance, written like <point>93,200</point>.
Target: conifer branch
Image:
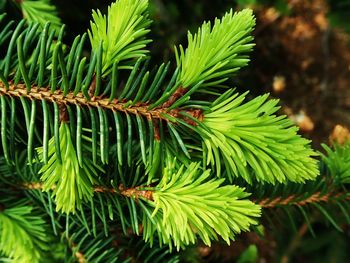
<point>293,199</point>
<point>23,236</point>
<point>253,143</point>
<point>121,33</point>
<point>36,93</point>
<point>40,11</point>
<point>100,130</point>
<point>133,192</point>
<point>215,52</point>
<point>299,200</point>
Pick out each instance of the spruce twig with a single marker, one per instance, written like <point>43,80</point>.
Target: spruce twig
<point>37,93</point>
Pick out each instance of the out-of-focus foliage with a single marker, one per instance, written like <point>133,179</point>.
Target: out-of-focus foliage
<point>280,5</point>
<point>250,255</point>
<point>338,162</point>
<point>339,13</point>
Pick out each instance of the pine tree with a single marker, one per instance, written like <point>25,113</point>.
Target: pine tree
<point>108,158</point>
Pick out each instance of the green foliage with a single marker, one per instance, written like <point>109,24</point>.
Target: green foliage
<point>149,134</point>
<point>214,53</point>
<point>322,202</point>
<point>99,248</point>
<point>70,184</point>
<point>250,255</point>
<point>23,236</point>
<point>187,204</point>
<point>41,11</point>
<point>329,246</point>
<point>121,33</point>
<point>339,11</point>
<point>253,142</point>
<point>337,161</point>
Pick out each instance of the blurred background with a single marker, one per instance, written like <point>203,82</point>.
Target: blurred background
<point>302,57</point>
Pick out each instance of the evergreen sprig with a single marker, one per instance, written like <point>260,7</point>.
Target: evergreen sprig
<point>131,155</point>
<point>253,143</point>
<point>337,161</point>
<point>71,184</point>
<point>121,34</point>
<point>187,204</point>
<point>323,200</point>
<point>217,51</point>
<point>41,11</point>
<point>23,236</point>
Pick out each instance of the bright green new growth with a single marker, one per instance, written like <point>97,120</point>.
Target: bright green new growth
<point>237,139</point>
<point>71,184</point>
<point>187,203</point>
<point>254,143</point>
<point>22,235</point>
<point>122,33</point>
<point>215,53</point>
<point>338,162</point>
<point>41,11</point>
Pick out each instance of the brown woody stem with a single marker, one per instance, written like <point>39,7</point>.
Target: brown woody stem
<point>137,192</point>
<point>173,98</point>
<point>37,93</point>
<point>297,199</point>
<point>134,192</point>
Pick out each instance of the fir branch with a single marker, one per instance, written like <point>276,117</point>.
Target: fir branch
<point>254,143</point>
<point>213,54</point>
<point>181,203</point>
<point>37,93</point>
<point>293,199</point>
<point>216,52</point>
<point>23,237</point>
<point>174,201</point>
<point>186,204</point>
<point>132,192</point>
<point>302,200</point>
<point>70,183</point>
<point>121,33</point>
<point>337,160</point>
<point>41,11</point>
